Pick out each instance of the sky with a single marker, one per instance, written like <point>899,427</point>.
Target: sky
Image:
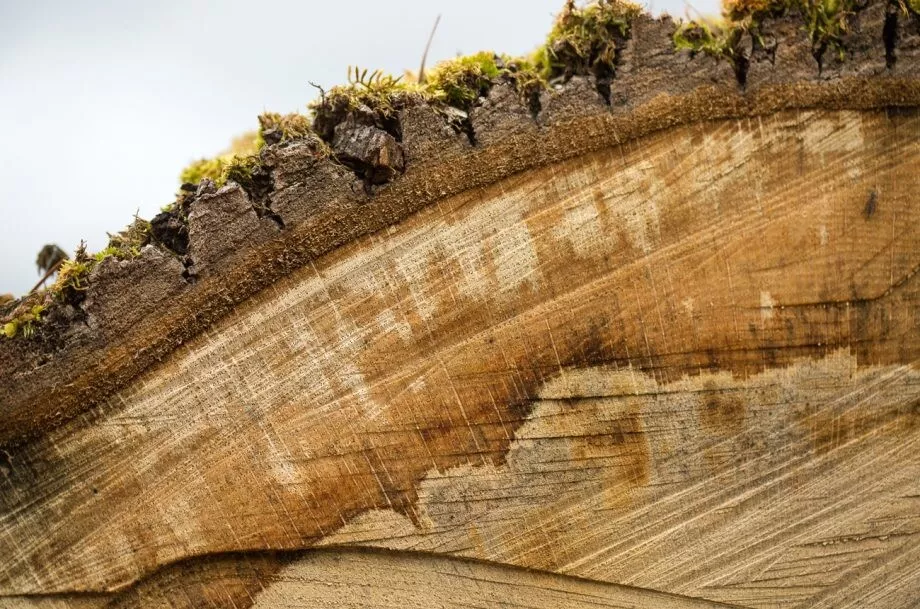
<point>103,102</point>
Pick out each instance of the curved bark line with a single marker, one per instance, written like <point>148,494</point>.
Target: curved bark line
<point>139,311</point>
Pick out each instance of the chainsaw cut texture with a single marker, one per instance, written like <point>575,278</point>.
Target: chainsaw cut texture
<point>653,349</point>
<point>692,374</point>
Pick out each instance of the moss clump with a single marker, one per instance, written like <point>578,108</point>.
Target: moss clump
<point>241,159</point>
<point>525,74</point>
<point>22,318</point>
<point>202,169</point>
<point>460,82</point>
<point>127,244</point>
<point>743,10</point>
<point>826,21</point>
<point>24,322</point>
<point>275,127</point>
<point>72,278</point>
<point>241,169</point>
<point>378,96</point>
<point>586,41</point>
<point>244,146</point>
<point>220,170</point>
<point>718,39</point>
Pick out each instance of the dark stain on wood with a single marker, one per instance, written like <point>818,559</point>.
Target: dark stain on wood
<point>871,204</point>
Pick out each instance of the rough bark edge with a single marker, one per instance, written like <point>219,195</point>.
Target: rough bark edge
<point>316,205</point>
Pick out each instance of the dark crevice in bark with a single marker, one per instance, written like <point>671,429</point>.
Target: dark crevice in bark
<point>741,65</point>
<point>890,34</point>
<point>533,104</point>
<point>258,189</point>
<point>603,88</point>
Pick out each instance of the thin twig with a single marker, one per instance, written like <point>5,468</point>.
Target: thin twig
<point>54,268</point>
<point>421,70</point>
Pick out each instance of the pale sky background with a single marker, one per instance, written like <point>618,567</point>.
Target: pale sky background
<point>102,103</point>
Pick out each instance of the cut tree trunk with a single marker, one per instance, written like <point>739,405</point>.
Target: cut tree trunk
<point>672,364</point>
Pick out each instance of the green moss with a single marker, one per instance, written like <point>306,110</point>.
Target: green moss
<point>72,277</point>
<point>825,21</point>
<point>739,11</point>
<point>247,144</point>
<point>525,74</point>
<point>127,244</point>
<point>277,127</point>
<point>460,82</point>
<point>24,323</point>
<point>244,146</point>
<point>72,280</point>
<point>240,169</point>
<point>717,38</point>
<point>221,169</point>
<point>378,95</point>
<point>202,169</point>
<point>586,40</point>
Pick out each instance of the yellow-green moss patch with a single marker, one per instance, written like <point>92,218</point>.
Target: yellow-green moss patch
<point>715,38</point>
<point>277,127</point>
<point>825,21</point>
<point>376,94</point>
<point>24,323</point>
<point>460,82</point>
<point>586,40</point>
<point>127,244</point>
<point>72,277</point>
<point>243,146</point>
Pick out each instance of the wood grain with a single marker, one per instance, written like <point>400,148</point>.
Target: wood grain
<point>686,365</point>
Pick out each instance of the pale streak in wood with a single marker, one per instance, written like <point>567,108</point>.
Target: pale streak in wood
<point>355,580</point>
<point>382,376</point>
